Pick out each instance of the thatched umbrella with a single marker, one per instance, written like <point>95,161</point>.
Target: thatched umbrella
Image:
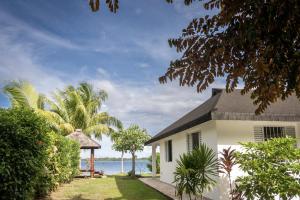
<point>86,143</point>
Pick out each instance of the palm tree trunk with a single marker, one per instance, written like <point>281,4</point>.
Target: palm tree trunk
<point>122,162</point>
<point>133,165</point>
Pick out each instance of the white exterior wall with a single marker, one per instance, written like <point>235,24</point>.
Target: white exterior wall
<point>231,132</point>
<point>179,146</point>
<point>217,135</point>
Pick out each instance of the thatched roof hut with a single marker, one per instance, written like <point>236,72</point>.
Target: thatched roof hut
<point>84,141</point>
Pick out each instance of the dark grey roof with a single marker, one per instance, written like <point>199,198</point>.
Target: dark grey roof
<point>84,141</point>
<point>232,106</point>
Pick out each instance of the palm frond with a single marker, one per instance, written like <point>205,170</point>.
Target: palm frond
<point>97,130</point>
<point>15,94</point>
<point>104,118</point>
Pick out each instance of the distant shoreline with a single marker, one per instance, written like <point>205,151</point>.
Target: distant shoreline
<point>113,159</point>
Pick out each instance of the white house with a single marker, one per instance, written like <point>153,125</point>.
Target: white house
<point>224,120</point>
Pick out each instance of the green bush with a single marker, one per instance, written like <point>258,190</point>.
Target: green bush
<point>271,169</point>
<point>33,160</point>
<point>196,172</point>
<point>23,150</point>
<point>61,165</point>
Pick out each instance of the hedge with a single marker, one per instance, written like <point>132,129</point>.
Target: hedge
<point>61,165</point>
<point>33,160</point>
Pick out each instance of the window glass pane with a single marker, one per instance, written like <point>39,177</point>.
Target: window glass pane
<point>170,150</point>
<point>195,137</point>
<point>273,132</point>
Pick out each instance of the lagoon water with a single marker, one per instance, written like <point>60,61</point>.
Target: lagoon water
<point>114,167</point>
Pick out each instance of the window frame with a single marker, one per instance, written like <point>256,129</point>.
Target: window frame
<point>169,151</point>
<point>266,132</point>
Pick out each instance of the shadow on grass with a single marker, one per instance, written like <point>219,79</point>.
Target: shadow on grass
<point>78,197</point>
<point>133,189</point>
<point>75,197</point>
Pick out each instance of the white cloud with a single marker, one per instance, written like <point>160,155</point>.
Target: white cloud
<point>17,27</point>
<point>17,61</point>
<point>156,47</point>
<point>103,73</point>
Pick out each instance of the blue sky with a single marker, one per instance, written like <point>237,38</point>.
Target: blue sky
<point>56,43</point>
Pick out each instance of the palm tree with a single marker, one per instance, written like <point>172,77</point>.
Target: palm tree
<point>70,109</point>
<point>80,108</point>
<point>23,94</point>
<point>195,172</point>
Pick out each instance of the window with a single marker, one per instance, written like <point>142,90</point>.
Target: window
<point>193,141</point>
<point>273,132</point>
<point>264,133</point>
<point>168,151</point>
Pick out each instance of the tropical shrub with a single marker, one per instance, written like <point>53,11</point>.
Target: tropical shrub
<point>271,169</point>
<point>149,165</point>
<point>226,163</point>
<point>62,163</point>
<point>196,172</point>
<point>23,152</point>
<point>33,161</point>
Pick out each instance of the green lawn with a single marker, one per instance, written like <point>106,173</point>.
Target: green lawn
<point>114,187</point>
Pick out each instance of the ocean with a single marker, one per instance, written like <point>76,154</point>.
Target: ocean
<point>114,167</point>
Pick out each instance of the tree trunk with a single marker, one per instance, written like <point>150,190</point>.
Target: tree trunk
<point>133,165</point>
<point>122,162</point>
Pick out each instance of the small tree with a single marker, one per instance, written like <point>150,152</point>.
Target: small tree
<point>271,168</point>
<point>132,140</point>
<point>120,146</point>
<point>227,161</point>
<point>149,165</point>
<point>195,172</point>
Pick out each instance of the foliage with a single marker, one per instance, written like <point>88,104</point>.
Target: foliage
<point>271,167</point>
<point>113,5</point>
<point>71,109</point>
<point>118,144</point>
<point>195,172</point>
<point>253,41</point>
<point>149,165</point>
<point>23,150</point>
<point>79,108</point>
<point>256,42</point>
<point>132,140</point>
<point>34,161</point>
<point>227,161</point>
<point>23,94</point>
<point>62,163</point>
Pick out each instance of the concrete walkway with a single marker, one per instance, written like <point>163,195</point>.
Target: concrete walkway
<point>164,188</point>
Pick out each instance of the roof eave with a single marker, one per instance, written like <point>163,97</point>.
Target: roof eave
<point>204,118</point>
